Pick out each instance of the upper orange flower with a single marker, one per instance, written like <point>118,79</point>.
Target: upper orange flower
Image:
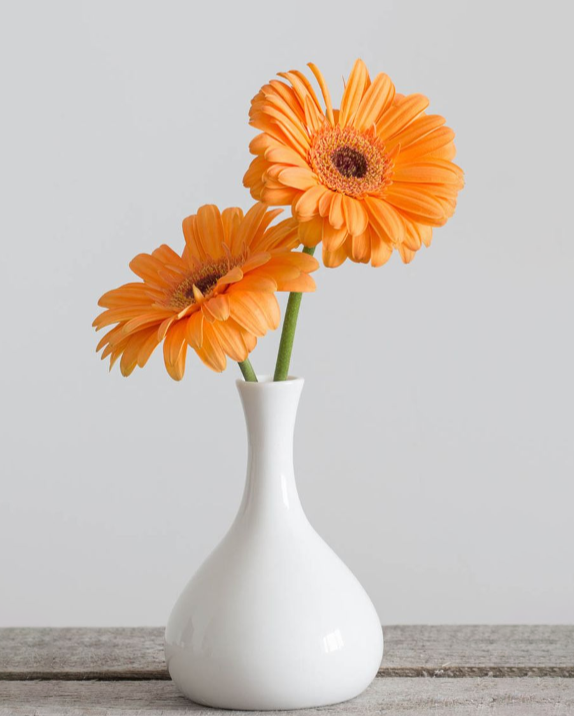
<point>217,297</point>
<point>373,176</point>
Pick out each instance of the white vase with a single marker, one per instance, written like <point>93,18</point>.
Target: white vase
<point>273,619</point>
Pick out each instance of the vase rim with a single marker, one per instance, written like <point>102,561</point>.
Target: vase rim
<point>266,382</point>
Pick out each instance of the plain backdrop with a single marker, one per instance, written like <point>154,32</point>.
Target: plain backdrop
<point>434,446</point>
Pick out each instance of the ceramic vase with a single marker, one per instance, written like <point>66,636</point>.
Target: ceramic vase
<point>273,619</point>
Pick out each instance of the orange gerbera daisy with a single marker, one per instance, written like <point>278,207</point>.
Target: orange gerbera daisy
<point>218,296</point>
<point>373,176</point>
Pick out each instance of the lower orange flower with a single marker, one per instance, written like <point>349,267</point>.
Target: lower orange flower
<point>217,297</point>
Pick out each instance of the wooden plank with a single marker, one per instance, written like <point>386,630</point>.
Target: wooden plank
<point>404,696</point>
<point>447,651</point>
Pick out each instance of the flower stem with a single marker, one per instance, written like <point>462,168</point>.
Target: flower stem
<point>288,332</point>
<point>247,370</point>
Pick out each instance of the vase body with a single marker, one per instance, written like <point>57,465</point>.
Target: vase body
<point>273,619</point>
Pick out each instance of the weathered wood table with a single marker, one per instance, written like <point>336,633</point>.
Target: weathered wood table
<point>501,670</point>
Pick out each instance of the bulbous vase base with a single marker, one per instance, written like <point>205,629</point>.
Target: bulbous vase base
<point>272,626</point>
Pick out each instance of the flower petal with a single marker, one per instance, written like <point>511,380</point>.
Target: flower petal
<point>211,352</point>
<point>375,102</point>
<point>175,349</point>
<point>311,232</point>
<point>231,341</point>
<point>401,115</point>
<point>336,218</point>
<point>356,217</point>
<point>218,307</point>
<point>308,204</point>
<point>353,93</point>
<point>298,178</point>
<point>385,220</point>
<point>333,238</point>
<point>194,330</point>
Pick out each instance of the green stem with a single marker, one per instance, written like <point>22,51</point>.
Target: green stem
<point>247,370</point>
<point>288,332</point>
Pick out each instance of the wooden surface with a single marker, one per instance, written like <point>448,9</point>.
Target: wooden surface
<point>473,670</point>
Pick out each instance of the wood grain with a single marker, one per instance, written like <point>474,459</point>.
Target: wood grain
<point>397,696</point>
<point>410,651</point>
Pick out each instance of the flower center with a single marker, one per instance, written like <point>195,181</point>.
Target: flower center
<point>349,161</point>
<point>204,279</point>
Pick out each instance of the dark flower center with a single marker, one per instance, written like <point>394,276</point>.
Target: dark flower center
<point>349,162</point>
<point>204,284</point>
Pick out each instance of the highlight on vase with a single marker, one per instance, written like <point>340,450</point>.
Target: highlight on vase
<point>217,297</point>
<point>369,178</point>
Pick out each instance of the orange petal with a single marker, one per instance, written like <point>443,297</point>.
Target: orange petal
<point>236,274</point>
<point>356,217</point>
<point>333,238</point>
<point>385,220</point>
<point>211,352</point>
<point>162,330</point>
<point>147,267</point>
<point>194,330</point>
<point>230,218</point>
<point>301,284</point>
<point>325,203</point>
<point>324,91</point>
<point>308,204</point>
<point>192,242</point>
<point>314,118</point>
<point>311,232</point>
<point>432,172</point>
<point>336,218</point>
<point>360,248</point>
<point>147,348</point>
<point>280,236</point>
<point>231,341</point>
<point>400,115</point>
<point>255,261</point>
<point>294,130</point>
<point>218,307</point>
<point>261,143</point>
<point>375,101</point>
<point>268,303</point>
<point>278,197</point>
<point>115,315</point>
<point>248,313</point>
<point>304,262</point>
<point>285,155</point>
<point>249,225</point>
<point>415,201</point>
<point>353,93</point>
<point>174,350</point>
<point>407,255</point>
<point>174,341</point>
<point>298,178</point>
<point>381,250</point>
<point>256,282</point>
<point>426,145</point>
<point>302,86</point>
<point>333,259</point>
<point>210,230</point>
<point>115,335</point>
<point>417,129</point>
<point>143,321</point>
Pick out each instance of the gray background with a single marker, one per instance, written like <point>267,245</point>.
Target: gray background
<point>434,441</point>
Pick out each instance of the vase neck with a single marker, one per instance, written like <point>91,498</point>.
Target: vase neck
<point>270,410</point>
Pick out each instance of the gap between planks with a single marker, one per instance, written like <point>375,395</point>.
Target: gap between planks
<point>459,672</point>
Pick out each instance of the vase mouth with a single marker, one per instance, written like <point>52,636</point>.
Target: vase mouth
<point>266,382</point>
